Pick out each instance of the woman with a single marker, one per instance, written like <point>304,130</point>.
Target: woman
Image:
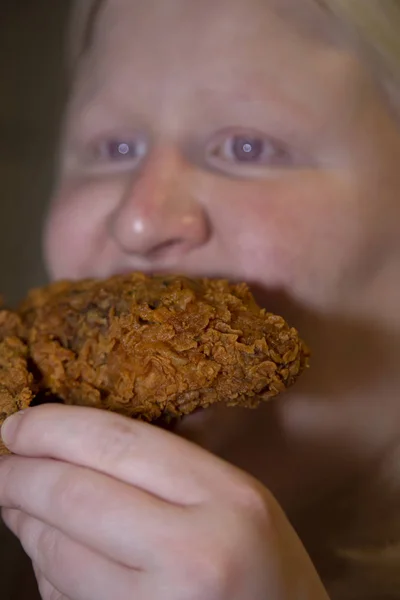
<point>256,140</point>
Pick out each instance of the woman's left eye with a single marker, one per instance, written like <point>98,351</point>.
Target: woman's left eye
<point>248,149</point>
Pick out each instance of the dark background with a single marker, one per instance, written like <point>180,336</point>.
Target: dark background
<point>32,91</point>
<point>31,95</point>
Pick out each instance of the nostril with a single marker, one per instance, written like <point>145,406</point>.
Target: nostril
<point>164,247</point>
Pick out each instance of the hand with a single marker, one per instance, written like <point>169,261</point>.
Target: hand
<point>108,507</point>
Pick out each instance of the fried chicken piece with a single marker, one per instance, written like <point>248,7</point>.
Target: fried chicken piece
<point>16,381</point>
<point>157,347</point>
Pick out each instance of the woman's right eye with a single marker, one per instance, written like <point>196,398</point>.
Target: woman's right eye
<point>124,150</point>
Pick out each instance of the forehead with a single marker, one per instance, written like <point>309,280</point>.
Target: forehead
<point>169,30</point>
<point>96,19</point>
<point>151,57</point>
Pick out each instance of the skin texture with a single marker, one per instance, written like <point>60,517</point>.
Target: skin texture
<point>310,222</point>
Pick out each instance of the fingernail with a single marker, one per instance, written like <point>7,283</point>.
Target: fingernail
<point>10,426</point>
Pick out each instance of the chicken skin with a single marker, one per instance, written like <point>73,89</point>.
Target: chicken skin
<point>146,347</point>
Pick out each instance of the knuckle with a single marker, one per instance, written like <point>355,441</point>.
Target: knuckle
<point>251,497</point>
<point>205,565</point>
<point>208,575</point>
<point>117,444</point>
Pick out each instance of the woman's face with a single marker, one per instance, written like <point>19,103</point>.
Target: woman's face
<point>220,138</point>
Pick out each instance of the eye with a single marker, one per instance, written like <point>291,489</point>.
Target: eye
<point>251,149</point>
<point>245,149</point>
<point>124,150</point>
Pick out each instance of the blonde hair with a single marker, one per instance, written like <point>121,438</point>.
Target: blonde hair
<point>375,25</point>
<point>377,22</point>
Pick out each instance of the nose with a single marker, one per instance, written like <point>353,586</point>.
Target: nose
<point>158,217</point>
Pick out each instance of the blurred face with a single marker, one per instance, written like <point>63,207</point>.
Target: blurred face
<point>225,138</point>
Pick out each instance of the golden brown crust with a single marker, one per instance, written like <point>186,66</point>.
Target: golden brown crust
<point>155,347</point>
<point>16,382</point>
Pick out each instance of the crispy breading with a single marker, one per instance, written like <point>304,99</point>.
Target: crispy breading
<point>16,381</point>
<point>157,347</point>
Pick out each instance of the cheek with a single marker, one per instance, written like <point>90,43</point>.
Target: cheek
<point>65,239</point>
<point>302,233</point>
<point>75,230</point>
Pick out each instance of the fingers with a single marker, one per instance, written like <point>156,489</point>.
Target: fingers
<point>121,522</point>
<point>134,452</point>
<point>66,570</point>
<point>47,590</point>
